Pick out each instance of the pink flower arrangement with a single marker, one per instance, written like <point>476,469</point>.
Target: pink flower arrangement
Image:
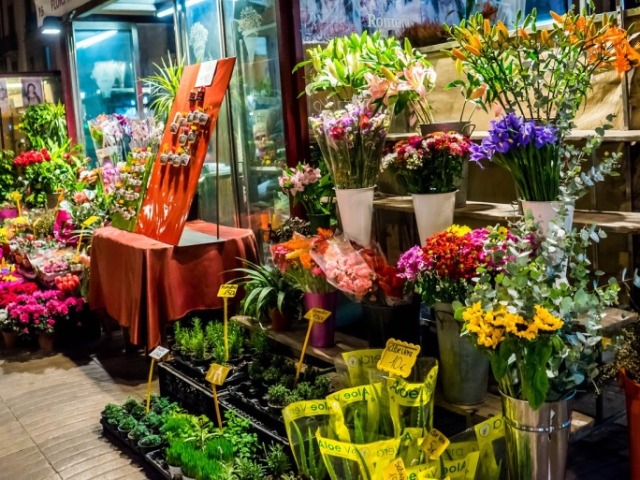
<point>42,310</point>
<point>308,186</point>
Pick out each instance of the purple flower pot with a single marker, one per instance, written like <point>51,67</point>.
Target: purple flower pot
<point>322,334</point>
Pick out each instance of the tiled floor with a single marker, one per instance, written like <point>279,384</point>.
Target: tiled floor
<point>50,406</point>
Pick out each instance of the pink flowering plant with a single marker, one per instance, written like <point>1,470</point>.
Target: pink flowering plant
<point>430,164</point>
<point>42,311</point>
<point>345,268</point>
<point>309,187</point>
<point>444,269</point>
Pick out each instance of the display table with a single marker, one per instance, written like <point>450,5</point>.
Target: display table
<point>144,283</point>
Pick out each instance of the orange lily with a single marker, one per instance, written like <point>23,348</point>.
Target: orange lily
<point>471,49</point>
<point>458,54</point>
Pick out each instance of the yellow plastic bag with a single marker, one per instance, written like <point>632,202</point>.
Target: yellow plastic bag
<point>359,362</point>
<point>302,420</point>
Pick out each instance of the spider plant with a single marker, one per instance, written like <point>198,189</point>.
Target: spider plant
<point>163,86</point>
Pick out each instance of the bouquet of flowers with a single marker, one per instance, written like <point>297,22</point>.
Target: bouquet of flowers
<point>374,67</point>
<point>133,177</point>
<point>388,287</point>
<point>309,187</point>
<point>108,133</point>
<point>431,164</point>
<point>525,318</point>
<point>529,152</point>
<point>351,140</point>
<point>344,267</point>
<point>543,74</point>
<point>293,258</point>
<point>444,268</point>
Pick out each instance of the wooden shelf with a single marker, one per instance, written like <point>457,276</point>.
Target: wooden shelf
<point>614,222</point>
<point>609,135</point>
<point>265,168</point>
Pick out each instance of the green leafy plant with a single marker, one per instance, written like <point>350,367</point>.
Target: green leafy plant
<point>247,469</point>
<point>308,455</point>
<point>45,125</point>
<point>163,86</point>
<point>174,452</point>
<point>277,460</point>
<point>266,289</point>
<point>259,343</point>
<point>237,429</point>
<point>525,319</point>
<point>127,424</point>
<point>176,427</point>
<point>153,421</point>
<point>7,174</point>
<point>138,432</point>
<point>280,396</point>
<point>152,440</point>
<point>210,470</point>
<point>219,448</point>
<point>112,413</point>
<point>191,461</point>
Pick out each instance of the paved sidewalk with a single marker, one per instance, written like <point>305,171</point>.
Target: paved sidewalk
<point>49,416</point>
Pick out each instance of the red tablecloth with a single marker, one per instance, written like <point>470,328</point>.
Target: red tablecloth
<point>144,283</point>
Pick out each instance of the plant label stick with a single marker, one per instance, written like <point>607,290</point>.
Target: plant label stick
<point>395,471</point>
<point>216,375</point>
<point>157,354</point>
<point>314,315</point>
<point>227,291</point>
<point>398,357</point>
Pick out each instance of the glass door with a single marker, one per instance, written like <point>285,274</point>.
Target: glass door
<point>106,69</point>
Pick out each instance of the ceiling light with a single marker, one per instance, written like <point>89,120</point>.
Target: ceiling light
<point>169,10</point>
<point>87,42</point>
<point>51,26</point>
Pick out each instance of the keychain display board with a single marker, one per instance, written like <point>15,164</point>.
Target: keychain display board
<point>178,163</point>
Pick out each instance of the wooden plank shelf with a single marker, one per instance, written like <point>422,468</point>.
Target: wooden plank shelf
<point>611,136</point>
<point>614,222</point>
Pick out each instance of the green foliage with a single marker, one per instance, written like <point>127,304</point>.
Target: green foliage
<point>237,429</point>
<point>150,440</point>
<point>208,343</point>
<point>153,421</point>
<point>210,470</point>
<point>279,395</point>
<point>163,86</point>
<point>45,126</point>
<point>219,448</point>
<point>266,288</point>
<point>308,455</point>
<point>7,174</point>
<point>259,343</point>
<point>191,461</point>
<point>277,460</point>
<point>174,452</point>
<point>138,432</point>
<point>127,424</point>
<point>112,413</point>
<point>247,469</point>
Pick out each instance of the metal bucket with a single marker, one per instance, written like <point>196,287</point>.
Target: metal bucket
<point>537,440</point>
<point>464,369</point>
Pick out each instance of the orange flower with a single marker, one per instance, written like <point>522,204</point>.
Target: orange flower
<point>478,92</point>
<point>306,261</point>
<point>523,33</point>
<point>502,29</point>
<point>458,54</point>
<point>487,27</point>
<point>556,17</point>
<point>472,49</point>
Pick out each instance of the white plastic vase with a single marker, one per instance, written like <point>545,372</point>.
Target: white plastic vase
<point>356,213</point>
<point>545,212</point>
<point>434,212</point>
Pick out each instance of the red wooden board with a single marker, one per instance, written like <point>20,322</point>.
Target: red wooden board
<point>171,189</point>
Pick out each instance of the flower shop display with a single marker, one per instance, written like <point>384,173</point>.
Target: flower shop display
<point>431,168</point>
<point>294,259</point>
<point>442,272</point>
<point>380,76</point>
<point>308,186</point>
<point>526,320</point>
<point>108,133</point>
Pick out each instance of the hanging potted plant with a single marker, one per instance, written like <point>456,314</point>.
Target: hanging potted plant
<point>294,259</point>
<point>431,167</point>
<point>525,320</point>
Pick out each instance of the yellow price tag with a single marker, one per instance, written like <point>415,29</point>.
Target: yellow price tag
<point>318,315</point>
<point>435,444</point>
<point>395,471</point>
<point>217,374</point>
<point>398,357</point>
<point>92,219</point>
<point>227,290</point>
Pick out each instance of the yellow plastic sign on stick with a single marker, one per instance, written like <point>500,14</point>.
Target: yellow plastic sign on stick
<point>91,220</point>
<point>216,375</point>
<point>435,444</point>
<point>227,290</point>
<point>318,315</point>
<point>398,357</point>
<point>395,471</point>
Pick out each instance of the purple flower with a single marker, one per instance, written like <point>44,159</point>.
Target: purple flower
<point>411,263</point>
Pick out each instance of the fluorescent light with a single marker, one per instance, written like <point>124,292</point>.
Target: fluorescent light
<point>87,42</point>
<point>169,11</point>
<point>50,31</point>
<point>50,26</point>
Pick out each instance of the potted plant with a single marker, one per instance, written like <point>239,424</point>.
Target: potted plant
<point>127,424</point>
<point>173,455</point>
<point>190,463</point>
<point>542,76</point>
<point>294,259</point>
<point>9,329</point>
<point>280,396</point>
<point>311,188</point>
<point>277,460</point>
<point>525,320</point>
<point>431,167</point>
<point>111,416</point>
<point>268,294</point>
<point>137,433</point>
<point>149,443</point>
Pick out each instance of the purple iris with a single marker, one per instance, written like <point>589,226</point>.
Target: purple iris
<point>510,133</point>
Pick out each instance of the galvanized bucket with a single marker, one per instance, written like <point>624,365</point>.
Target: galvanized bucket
<point>537,440</point>
<point>464,369</point>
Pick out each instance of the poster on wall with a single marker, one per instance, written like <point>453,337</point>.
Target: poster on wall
<point>4,95</point>
<point>324,19</point>
<point>389,17</point>
<point>31,91</point>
